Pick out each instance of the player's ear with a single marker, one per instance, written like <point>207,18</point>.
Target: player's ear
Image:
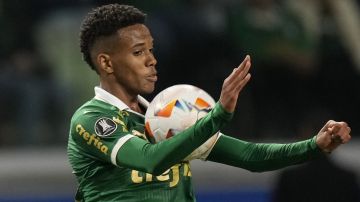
<point>105,63</point>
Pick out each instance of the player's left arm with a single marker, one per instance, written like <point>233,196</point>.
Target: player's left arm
<point>259,157</point>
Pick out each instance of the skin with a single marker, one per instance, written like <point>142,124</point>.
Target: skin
<point>332,135</point>
<point>127,68</point>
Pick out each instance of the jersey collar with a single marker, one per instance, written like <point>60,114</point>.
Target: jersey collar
<point>103,95</point>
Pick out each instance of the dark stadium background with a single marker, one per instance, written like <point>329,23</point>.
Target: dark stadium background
<point>305,70</point>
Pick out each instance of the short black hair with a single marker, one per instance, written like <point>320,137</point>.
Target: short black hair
<point>104,21</point>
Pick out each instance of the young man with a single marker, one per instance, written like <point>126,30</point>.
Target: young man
<point>108,149</point>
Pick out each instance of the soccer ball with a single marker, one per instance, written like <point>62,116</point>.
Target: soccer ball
<point>175,109</point>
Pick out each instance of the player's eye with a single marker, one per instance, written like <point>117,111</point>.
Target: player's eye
<point>138,52</point>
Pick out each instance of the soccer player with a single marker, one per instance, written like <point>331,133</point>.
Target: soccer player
<point>110,154</point>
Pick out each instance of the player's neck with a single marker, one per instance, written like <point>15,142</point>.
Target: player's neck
<point>130,100</point>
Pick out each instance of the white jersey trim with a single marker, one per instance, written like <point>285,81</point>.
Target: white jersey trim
<point>206,154</point>
<point>117,147</point>
<point>103,95</point>
<point>143,101</point>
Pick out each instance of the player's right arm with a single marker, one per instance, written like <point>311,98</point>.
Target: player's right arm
<point>157,158</point>
<point>141,155</point>
<point>108,139</point>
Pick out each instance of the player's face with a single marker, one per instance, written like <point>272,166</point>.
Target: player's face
<point>133,60</point>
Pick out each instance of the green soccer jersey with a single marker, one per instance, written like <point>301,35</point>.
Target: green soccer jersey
<point>107,142</point>
<point>98,130</point>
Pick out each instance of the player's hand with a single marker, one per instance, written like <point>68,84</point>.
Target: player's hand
<point>332,135</point>
<point>234,83</point>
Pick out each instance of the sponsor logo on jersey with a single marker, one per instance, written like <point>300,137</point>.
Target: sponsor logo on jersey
<point>105,127</point>
<point>91,139</point>
<point>172,175</point>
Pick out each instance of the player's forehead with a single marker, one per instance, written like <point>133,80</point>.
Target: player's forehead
<point>134,35</point>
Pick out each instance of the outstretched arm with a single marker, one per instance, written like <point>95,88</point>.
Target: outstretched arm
<point>156,158</point>
<point>265,157</point>
<point>259,157</point>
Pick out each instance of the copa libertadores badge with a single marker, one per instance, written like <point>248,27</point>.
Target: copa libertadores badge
<point>105,127</point>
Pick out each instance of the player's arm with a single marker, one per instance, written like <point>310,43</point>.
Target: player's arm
<point>141,155</point>
<point>264,157</point>
<point>156,158</point>
<point>259,157</point>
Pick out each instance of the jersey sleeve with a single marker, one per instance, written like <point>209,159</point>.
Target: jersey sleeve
<point>259,157</point>
<point>156,158</point>
<point>98,135</point>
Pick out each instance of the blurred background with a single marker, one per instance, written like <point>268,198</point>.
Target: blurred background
<point>305,71</point>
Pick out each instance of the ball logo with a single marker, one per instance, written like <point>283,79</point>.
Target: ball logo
<point>105,127</point>
<point>199,105</point>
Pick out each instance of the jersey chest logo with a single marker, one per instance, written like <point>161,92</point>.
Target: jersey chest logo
<point>105,127</point>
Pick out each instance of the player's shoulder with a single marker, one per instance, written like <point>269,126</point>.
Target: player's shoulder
<point>95,111</point>
<point>94,108</point>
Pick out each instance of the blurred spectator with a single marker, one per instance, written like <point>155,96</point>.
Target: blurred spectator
<point>300,60</point>
<point>32,110</point>
<point>335,26</point>
<point>337,81</point>
<point>284,58</point>
<point>331,184</point>
<point>320,15</point>
<point>347,16</point>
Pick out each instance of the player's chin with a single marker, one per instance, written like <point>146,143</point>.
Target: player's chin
<point>149,88</point>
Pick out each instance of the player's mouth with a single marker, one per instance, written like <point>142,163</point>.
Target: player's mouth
<point>152,78</point>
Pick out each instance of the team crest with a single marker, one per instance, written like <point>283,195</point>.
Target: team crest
<point>105,127</point>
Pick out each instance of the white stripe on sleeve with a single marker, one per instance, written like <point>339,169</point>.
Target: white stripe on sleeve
<point>117,146</point>
<point>206,154</point>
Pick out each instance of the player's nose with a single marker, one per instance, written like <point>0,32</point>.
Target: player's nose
<point>151,61</point>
